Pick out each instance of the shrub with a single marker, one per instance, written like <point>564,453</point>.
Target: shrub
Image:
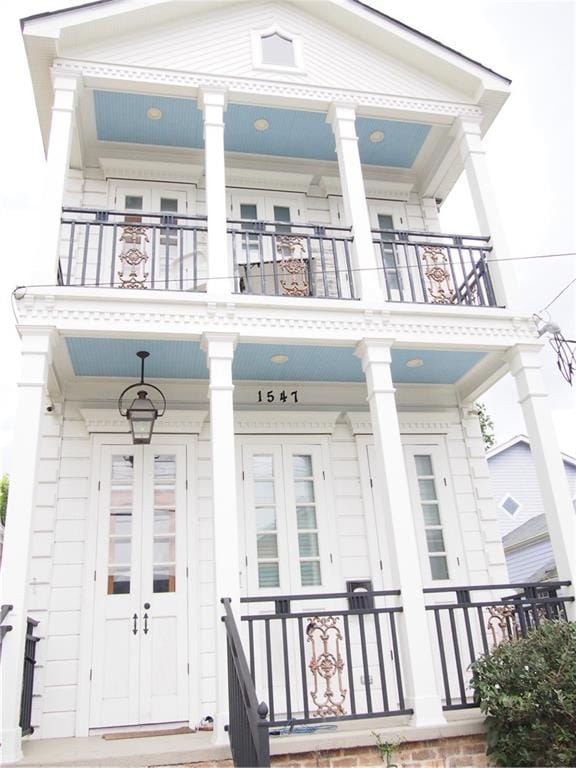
<point>527,690</point>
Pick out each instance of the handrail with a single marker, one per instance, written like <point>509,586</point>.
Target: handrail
<point>152,214</point>
<point>248,727</point>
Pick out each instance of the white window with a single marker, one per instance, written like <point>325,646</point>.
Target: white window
<point>510,505</point>
<point>276,49</point>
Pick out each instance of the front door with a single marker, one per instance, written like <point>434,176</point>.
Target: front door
<point>139,663</point>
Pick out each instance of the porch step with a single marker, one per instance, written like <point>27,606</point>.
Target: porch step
<point>135,752</point>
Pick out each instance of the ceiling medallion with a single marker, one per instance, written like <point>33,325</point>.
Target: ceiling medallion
<point>279,359</point>
<point>416,362</point>
<point>261,124</point>
<point>376,137</point>
<point>154,113</point>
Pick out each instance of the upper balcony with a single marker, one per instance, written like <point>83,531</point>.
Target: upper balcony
<point>168,251</point>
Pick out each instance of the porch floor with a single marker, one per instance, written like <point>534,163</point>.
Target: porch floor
<point>190,748</point>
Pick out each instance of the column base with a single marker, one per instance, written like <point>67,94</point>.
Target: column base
<point>428,712</point>
<point>219,735</point>
<point>11,746</point>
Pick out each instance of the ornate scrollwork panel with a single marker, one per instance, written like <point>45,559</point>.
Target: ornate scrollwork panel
<point>326,665</point>
<point>293,263</point>
<point>133,257</point>
<point>502,624</point>
<point>440,289</point>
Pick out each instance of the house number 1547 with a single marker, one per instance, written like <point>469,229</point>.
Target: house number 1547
<point>282,397</point>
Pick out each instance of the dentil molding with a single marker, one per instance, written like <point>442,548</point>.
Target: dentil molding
<point>175,422</point>
<point>410,423</point>
<point>285,423</point>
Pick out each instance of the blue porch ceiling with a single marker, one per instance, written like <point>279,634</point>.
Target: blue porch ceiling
<point>291,133</point>
<point>185,360</point>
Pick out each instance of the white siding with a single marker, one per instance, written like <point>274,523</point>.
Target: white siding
<point>220,43</point>
<point>524,562</point>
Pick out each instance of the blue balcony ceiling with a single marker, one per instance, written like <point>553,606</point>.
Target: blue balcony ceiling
<point>252,362</point>
<point>290,133</point>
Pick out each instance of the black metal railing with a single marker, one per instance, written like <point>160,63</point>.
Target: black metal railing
<point>4,628</point>
<point>28,677</point>
<point>133,250</point>
<point>326,657</point>
<point>470,621</point>
<point>433,268</point>
<point>248,726</point>
<point>287,259</point>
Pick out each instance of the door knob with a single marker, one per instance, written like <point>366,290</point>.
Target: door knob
<point>146,606</point>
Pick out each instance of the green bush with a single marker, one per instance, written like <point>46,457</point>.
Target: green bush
<point>527,690</point>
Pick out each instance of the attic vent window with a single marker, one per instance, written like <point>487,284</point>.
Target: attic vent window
<point>278,50</point>
<point>510,505</point>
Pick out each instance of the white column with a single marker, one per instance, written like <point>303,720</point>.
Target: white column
<point>418,666</point>
<point>219,349</point>
<point>533,398</point>
<point>35,356</point>
<point>65,86</point>
<point>213,104</point>
<point>467,134</point>
<point>367,278</point>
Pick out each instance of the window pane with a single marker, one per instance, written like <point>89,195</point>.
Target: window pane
<point>122,469</point>
<point>439,567</point>
<point>121,498</point>
<point>119,551</point>
<point>264,491</point>
<point>510,505</point>
<point>164,468</point>
<point>168,204</point>
<point>277,50</point>
<point>385,221</point>
<point>302,466</point>
<point>164,578</point>
<point>265,518</point>
<point>281,213</point>
<point>435,540</point>
<point>427,490</point>
<point>310,573</point>
<point>306,517</point>
<point>263,466</point>
<point>248,211</point>
<point>165,497</point>
<point>118,581</point>
<point>304,491</point>
<point>164,550</point>
<point>133,202</point>
<point>268,575</point>
<point>431,514</point>
<point>308,544</point>
<point>120,523</point>
<point>164,521</point>
<point>423,465</point>
<point>267,545</point>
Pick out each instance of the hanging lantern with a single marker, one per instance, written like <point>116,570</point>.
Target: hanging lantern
<point>142,413</point>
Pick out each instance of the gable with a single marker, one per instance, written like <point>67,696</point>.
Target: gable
<point>220,42</point>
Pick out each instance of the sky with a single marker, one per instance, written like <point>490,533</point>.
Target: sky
<point>530,148</point>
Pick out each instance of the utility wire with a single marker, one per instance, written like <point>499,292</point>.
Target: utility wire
<point>559,294</point>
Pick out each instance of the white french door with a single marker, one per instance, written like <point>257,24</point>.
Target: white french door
<point>152,251</point>
<point>436,523</point>
<point>140,659</point>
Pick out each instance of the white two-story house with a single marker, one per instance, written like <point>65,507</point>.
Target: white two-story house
<point>248,192</point>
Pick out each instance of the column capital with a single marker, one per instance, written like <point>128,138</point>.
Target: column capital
<point>341,111</point>
<point>219,345</point>
<point>66,85</point>
<point>212,97</point>
<point>523,356</point>
<point>374,351</point>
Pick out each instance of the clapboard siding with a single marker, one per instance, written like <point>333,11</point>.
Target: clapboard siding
<point>512,472</point>
<point>525,561</point>
<point>219,42</point>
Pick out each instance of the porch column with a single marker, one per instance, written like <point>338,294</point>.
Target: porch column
<point>533,398</point>
<point>35,358</point>
<point>213,104</point>
<point>342,118</point>
<point>418,644</point>
<point>467,134</point>
<point>219,349</point>
<point>65,86</point>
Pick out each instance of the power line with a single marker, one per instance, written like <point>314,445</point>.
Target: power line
<point>559,294</point>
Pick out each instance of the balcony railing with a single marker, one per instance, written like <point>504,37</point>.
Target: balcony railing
<point>133,250</point>
<point>431,268</point>
<point>168,251</point>
<point>470,621</point>
<point>326,657</point>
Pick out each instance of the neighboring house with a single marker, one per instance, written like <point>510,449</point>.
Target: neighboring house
<point>248,192</point>
<point>525,535</point>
